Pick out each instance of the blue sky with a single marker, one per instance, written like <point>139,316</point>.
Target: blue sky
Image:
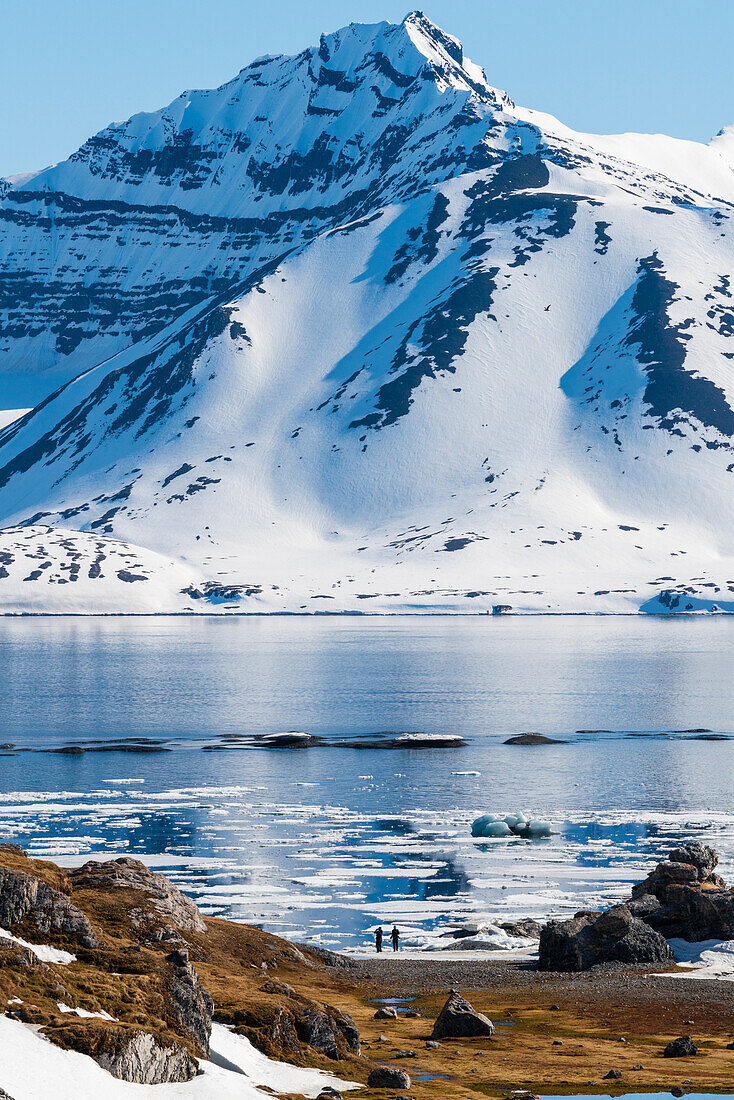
<point>69,67</point>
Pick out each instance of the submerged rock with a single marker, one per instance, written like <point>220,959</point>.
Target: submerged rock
<point>387,1077</point>
<point>591,938</point>
<point>533,739</point>
<point>458,1020</point>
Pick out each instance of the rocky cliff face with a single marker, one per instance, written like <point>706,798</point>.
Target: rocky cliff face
<point>360,334</point>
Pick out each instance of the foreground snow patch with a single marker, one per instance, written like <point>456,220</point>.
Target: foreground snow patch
<point>34,1069</point>
<point>41,950</point>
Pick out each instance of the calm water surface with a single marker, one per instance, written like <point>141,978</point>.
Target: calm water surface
<point>321,842</point>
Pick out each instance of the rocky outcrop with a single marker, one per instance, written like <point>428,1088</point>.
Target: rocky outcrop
<point>684,897</point>
<point>4,1095</point>
<point>28,903</point>
<point>387,1077</point>
<point>165,913</point>
<point>143,1059</point>
<point>458,1020</point>
<point>592,938</point>
<point>189,1003</point>
<point>333,1034</point>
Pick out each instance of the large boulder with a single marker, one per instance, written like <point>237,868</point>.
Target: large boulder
<point>683,1047</point>
<point>387,1077</point>
<point>591,938</point>
<point>189,1003</point>
<point>162,914</point>
<point>458,1020</point>
<point>31,905</point>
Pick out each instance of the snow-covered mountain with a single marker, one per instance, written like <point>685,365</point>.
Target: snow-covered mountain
<point>354,332</point>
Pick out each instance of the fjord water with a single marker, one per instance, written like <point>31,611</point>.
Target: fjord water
<point>321,842</point>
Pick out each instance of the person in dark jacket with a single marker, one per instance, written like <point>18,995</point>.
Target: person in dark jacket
<point>378,940</point>
<point>395,938</point>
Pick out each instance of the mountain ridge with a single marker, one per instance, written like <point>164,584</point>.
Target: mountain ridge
<point>482,363</point>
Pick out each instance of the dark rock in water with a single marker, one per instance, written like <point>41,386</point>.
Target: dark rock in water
<point>29,903</point>
<point>527,928</point>
<point>533,739</point>
<point>591,938</point>
<point>684,1047</point>
<point>386,1077</point>
<point>189,1003</point>
<point>164,910</point>
<point>330,1034</point>
<point>386,1013</point>
<point>141,1058</point>
<point>458,1020</point>
<point>677,1091</point>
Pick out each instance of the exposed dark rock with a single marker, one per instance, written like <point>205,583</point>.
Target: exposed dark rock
<point>386,1013</point>
<point>328,1093</point>
<point>527,927</point>
<point>4,1095</point>
<point>683,897</point>
<point>684,1047</point>
<point>189,1003</point>
<point>613,1075</point>
<point>333,1035</point>
<point>27,902</point>
<point>387,1077</point>
<point>404,1054</point>
<point>166,910</point>
<point>458,1020</point>
<point>591,938</point>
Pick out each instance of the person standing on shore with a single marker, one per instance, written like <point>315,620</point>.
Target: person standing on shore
<point>395,938</point>
<point>378,940</point>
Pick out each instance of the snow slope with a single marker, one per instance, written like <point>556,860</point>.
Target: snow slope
<point>357,334</point>
<point>34,1069</point>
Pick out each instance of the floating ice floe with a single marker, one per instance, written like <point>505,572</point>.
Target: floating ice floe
<point>517,824</point>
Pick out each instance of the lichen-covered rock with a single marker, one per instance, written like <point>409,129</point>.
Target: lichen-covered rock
<point>458,1020</point>
<point>189,1003</point>
<point>387,1077</point>
<point>143,1059</point>
<point>29,903</point>
<point>166,910</point>
<point>591,938</point>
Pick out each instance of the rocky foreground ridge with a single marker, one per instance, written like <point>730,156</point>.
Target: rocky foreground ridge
<point>141,976</point>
